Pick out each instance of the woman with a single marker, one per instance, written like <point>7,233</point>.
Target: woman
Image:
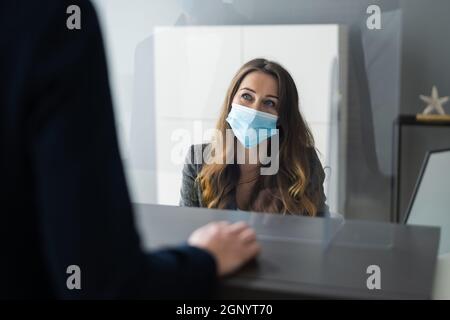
<point>261,95</point>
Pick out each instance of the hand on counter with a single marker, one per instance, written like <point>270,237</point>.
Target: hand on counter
<point>232,245</point>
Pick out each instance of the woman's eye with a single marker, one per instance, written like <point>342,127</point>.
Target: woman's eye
<point>246,96</point>
<point>269,103</point>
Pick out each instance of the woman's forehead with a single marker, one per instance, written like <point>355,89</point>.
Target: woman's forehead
<point>260,82</point>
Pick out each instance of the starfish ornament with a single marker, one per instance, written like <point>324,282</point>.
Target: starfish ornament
<point>434,102</point>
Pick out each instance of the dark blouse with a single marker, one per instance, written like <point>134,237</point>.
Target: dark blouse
<point>191,193</point>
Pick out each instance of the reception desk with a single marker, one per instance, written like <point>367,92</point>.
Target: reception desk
<point>306,257</point>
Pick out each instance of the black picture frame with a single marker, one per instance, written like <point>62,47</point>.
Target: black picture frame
<point>419,180</point>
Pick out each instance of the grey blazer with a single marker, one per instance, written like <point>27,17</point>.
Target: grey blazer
<point>191,193</point>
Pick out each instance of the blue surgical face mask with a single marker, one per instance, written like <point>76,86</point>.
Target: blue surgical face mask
<point>251,126</point>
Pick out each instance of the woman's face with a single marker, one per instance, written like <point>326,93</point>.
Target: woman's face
<point>258,91</point>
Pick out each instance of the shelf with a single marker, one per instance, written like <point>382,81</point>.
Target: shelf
<point>424,120</point>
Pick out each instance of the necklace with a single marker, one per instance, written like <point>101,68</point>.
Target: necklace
<point>247,181</point>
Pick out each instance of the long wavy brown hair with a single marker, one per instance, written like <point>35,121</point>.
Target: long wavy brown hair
<point>287,191</point>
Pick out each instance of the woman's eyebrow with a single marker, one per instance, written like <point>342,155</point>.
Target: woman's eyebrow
<point>269,95</point>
